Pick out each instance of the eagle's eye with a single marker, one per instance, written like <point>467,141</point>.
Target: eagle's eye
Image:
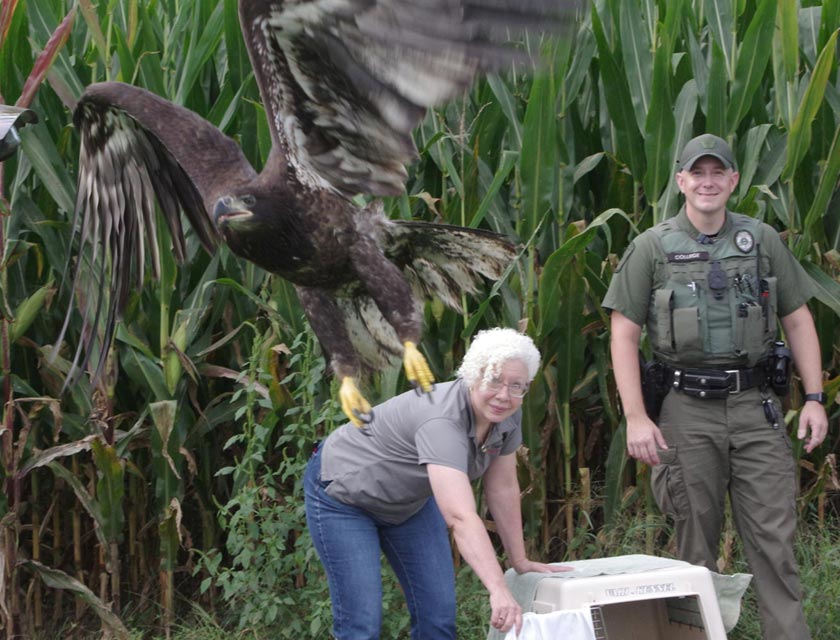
<point>248,200</point>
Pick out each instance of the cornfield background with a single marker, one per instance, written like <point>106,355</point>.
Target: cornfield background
<point>177,480</point>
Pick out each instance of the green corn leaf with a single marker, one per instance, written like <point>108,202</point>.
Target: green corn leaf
<point>753,149</point>
<point>829,14</point>
<point>637,58</point>
<point>619,103</point>
<point>826,189</point>
<point>809,33</point>
<point>771,158</point>
<point>587,165</point>
<point>508,162</point>
<point>551,291</point>
<point>128,63</point>
<point>539,154</point>
<point>580,241</point>
<point>561,315</point>
<point>43,458</point>
<point>699,66</point>
<point>828,289</point>
<point>110,489</point>
<point>43,23</point>
<point>659,126</point>
<point>720,16</point>
<point>238,65</point>
<point>508,104</point>
<point>788,22</point>
<point>585,48</point>
<point>144,371</point>
<point>164,415</point>
<point>47,163</point>
<point>94,28</point>
<point>799,138</point>
<point>209,36</point>
<point>87,501</point>
<point>28,310</point>
<point>716,100</point>
<point>753,55</point>
<point>173,368</point>
<point>29,218</point>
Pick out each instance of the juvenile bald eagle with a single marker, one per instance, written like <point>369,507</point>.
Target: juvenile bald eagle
<point>343,83</point>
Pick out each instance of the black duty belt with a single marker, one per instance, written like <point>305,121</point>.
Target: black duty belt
<point>714,383</point>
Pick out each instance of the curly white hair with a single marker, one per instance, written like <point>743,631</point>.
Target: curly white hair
<point>491,349</point>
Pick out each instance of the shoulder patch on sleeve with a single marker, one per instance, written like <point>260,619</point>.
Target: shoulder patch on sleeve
<point>625,257</point>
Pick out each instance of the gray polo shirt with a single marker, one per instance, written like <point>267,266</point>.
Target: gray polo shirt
<point>385,472</point>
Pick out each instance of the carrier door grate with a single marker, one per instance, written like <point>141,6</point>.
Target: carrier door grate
<point>598,623</point>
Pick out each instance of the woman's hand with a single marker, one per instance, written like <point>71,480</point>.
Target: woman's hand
<point>505,611</point>
<point>526,566</point>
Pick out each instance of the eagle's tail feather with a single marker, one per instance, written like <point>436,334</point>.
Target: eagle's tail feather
<point>445,261</point>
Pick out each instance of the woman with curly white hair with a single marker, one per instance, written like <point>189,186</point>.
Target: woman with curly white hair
<point>397,485</point>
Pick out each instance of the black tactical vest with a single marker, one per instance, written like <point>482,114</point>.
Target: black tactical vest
<point>710,303</point>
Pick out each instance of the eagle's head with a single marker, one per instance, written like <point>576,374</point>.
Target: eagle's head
<point>256,226</point>
<point>242,220</point>
<point>235,213</point>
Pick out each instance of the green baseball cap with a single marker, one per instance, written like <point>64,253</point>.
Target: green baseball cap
<point>705,145</point>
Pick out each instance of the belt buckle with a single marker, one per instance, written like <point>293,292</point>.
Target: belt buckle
<point>737,373</point>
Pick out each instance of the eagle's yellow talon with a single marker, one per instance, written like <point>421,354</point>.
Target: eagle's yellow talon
<point>416,368</point>
<point>353,403</point>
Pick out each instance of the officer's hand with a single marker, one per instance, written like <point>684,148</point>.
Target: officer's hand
<point>814,419</point>
<point>643,439</point>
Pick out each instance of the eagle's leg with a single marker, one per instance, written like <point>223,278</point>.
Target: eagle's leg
<point>387,286</point>
<point>327,322</point>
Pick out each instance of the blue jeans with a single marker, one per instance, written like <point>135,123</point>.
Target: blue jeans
<point>350,542</point>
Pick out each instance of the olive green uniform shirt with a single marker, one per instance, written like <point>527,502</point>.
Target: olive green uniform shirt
<point>632,284</point>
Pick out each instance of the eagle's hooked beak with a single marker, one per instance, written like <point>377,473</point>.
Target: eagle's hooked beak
<point>229,209</point>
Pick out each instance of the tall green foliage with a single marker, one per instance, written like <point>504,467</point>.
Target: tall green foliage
<point>574,158</point>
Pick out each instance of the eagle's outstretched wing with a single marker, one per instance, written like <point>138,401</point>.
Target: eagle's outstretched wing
<point>345,82</point>
<point>138,149</point>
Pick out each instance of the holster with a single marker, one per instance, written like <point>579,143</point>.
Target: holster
<point>654,386</point>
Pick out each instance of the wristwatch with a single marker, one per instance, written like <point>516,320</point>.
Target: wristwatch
<point>816,397</point>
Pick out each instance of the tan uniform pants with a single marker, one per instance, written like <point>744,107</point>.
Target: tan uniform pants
<point>720,445</point>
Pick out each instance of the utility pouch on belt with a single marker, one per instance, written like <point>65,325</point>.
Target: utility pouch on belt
<point>708,384</point>
<point>654,387</point>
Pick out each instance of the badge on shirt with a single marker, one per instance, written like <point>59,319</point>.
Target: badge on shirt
<point>744,241</point>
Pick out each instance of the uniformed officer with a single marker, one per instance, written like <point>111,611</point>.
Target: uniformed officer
<point>708,285</point>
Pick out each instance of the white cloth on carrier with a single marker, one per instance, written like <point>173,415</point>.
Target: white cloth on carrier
<point>569,624</point>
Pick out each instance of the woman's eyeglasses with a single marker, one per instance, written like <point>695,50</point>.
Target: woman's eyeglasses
<point>515,389</point>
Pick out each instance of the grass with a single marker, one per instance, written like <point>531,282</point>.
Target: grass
<point>818,552</point>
